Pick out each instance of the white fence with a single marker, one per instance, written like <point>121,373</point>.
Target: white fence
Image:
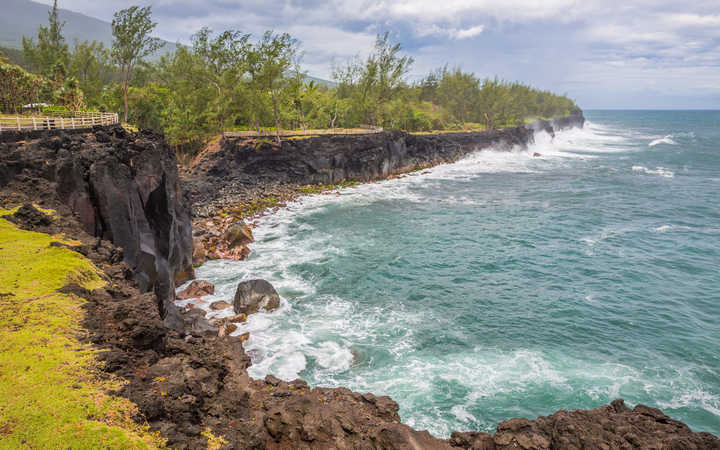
<point>57,120</point>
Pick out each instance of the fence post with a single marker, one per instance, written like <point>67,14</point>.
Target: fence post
<point>72,120</point>
<point>18,121</point>
<point>34,124</point>
<point>62,123</point>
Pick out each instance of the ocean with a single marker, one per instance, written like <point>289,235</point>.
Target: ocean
<point>507,285</point>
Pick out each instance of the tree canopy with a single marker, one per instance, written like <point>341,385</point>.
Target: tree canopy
<point>132,42</point>
<point>232,80</point>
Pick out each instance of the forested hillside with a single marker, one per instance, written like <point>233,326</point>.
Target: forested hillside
<point>232,80</point>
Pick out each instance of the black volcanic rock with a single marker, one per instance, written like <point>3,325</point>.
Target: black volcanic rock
<point>254,295</point>
<point>241,170</point>
<point>122,187</point>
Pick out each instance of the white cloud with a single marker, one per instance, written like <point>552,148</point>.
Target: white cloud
<point>678,20</point>
<point>602,45</point>
<point>451,32</point>
<point>511,10</point>
<point>469,32</point>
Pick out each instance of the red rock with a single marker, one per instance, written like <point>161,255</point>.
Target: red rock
<point>197,288</point>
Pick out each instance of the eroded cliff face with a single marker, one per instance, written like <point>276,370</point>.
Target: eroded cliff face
<point>241,169</point>
<point>122,187</point>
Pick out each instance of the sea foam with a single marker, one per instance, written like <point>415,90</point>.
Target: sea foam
<point>662,171</point>
<point>664,140</point>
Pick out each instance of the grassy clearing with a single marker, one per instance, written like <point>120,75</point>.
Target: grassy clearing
<point>51,395</point>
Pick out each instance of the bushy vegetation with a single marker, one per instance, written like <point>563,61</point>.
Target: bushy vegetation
<point>17,87</point>
<point>234,81</point>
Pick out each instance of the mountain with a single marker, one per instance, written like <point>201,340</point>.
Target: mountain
<point>23,17</point>
<point>320,81</point>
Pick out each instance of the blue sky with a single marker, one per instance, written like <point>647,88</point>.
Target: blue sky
<point>603,54</point>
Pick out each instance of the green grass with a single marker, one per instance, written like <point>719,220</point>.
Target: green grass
<point>320,188</point>
<point>51,392</point>
<point>251,208</point>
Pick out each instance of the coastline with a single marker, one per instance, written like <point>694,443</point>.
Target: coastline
<point>237,180</point>
<point>193,387</point>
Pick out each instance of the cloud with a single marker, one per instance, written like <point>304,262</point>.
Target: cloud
<point>587,47</point>
<point>468,32</point>
<point>678,20</point>
<point>511,10</point>
<point>453,33</point>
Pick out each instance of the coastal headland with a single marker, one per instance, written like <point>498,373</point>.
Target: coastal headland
<point>121,202</point>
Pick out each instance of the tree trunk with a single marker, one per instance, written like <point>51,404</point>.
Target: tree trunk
<point>277,117</point>
<point>302,117</point>
<point>221,120</point>
<point>125,95</point>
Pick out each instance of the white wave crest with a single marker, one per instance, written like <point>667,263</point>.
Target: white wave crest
<point>662,171</point>
<point>664,140</point>
<point>698,397</point>
<point>666,228</point>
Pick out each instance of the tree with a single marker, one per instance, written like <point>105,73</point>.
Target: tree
<point>132,43</point>
<point>17,87</point>
<point>223,61</point>
<point>390,69</point>
<point>89,64</point>
<point>268,64</point>
<point>374,83</point>
<point>456,92</point>
<point>70,95</point>
<point>50,49</point>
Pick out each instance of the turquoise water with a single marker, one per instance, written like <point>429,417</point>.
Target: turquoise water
<point>509,286</point>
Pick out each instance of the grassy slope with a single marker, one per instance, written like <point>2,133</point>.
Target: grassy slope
<point>51,395</point>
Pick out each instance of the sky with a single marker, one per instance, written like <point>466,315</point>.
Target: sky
<point>644,54</point>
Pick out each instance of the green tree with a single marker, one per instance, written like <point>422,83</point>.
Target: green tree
<point>132,43</point>
<point>70,95</point>
<point>457,92</point>
<point>374,83</point>
<point>90,65</point>
<point>222,62</point>
<point>17,87</point>
<point>50,48</point>
<point>390,70</point>
<point>268,64</point>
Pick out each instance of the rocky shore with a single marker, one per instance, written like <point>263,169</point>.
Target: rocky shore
<point>237,179</point>
<point>119,196</point>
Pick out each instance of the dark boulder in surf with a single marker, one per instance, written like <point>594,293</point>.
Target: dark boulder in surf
<point>253,295</point>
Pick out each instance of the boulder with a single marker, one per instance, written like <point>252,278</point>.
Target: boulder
<point>239,318</point>
<point>237,235</point>
<point>197,288</point>
<point>225,330</point>
<point>199,326</point>
<point>29,218</point>
<point>219,305</point>
<point>254,295</point>
<point>199,252</point>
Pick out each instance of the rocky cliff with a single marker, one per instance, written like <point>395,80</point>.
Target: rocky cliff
<point>122,187</point>
<point>241,169</point>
